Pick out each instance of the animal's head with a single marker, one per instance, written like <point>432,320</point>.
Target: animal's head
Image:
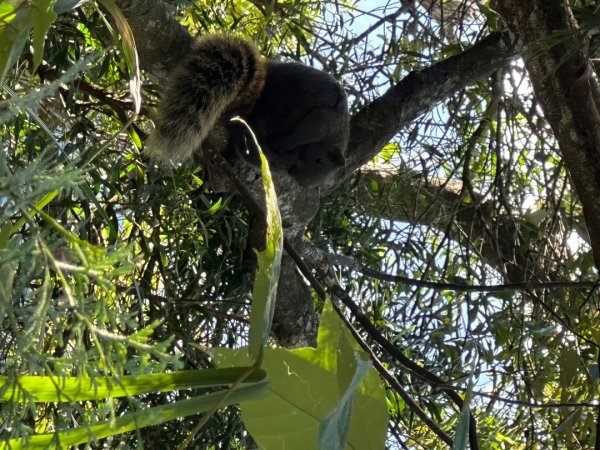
<point>316,163</point>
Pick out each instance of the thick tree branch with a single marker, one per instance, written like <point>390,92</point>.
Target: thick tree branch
<point>160,39</point>
<point>437,203</point>
<point>377,123</point>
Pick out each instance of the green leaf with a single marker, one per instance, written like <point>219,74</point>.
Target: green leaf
<point>5,233</point>
<point>6,13</point>
<point>491,16</point>
<point>334,428</point>
<point>135,138</point>
<point>42,16</point>
<point>136,420</point>
<point>47,198</point>
<point>129,50</point>
<point>267,273</point>
<point>214,208</point>
<point>461,437</point>
<point>14,31</point>
<point>68,389</point>
<point>309,387</point>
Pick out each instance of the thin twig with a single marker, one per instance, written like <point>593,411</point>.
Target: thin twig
<point>508,287</point>
<point>393,382</point>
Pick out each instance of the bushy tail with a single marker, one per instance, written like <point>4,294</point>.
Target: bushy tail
<point>222,73</point>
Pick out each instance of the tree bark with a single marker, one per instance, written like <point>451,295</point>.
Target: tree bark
<point>565,85</point>
<point>377,123</point>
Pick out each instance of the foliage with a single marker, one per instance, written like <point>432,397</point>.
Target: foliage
<point>112,268</point>
<point>314,392</point>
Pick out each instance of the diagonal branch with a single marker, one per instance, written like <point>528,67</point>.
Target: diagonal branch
<point>377,123</point>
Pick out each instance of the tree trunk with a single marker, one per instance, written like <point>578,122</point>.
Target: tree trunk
<point>565,84</point>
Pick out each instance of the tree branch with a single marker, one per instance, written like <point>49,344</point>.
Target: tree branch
<point>377,123</point>
<point>160,39</point>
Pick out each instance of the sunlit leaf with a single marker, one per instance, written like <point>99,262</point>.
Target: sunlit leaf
<point>267,273</point>
<point>69,389</point>
<point>42,17</point>
<point>14,31</point>
<point>310,387</point>
<point>135,420</point>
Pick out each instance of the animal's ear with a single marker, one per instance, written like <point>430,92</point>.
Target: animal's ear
<point>336,156</point>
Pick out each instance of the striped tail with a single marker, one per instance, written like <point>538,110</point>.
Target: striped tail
<point>223,74</point>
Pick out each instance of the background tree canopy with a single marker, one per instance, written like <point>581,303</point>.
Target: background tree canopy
<point>460,243</point>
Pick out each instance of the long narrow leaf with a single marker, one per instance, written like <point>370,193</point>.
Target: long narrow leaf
<point>56,389</point>
<point>38,206</point>
<point>130,52</point>
<point>462,428</point>
<point>269,263</point>
<point>136,420</point>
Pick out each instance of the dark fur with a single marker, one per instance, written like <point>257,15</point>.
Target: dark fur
<point>222,74</point>
<point>299,114</point>
<point>300,121</point>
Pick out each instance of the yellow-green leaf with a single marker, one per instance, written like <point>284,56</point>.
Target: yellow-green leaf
<point>68,389</point>
<point>42,16</point>
<point>267,274</point>
<point>136,420</point>
<point>130,52</point>
<point>310,387</point>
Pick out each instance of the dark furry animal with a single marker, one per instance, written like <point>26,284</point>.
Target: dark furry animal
<point>298,114</point>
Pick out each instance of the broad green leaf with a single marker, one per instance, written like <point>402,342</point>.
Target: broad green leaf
<point>42,16</point>
<point>461,437</point>
<point>67,389</point>
<point>137,419</point>
<point>310,387</point>
<point>129,50</point>
<point>267,273</point>
<point>334,429</point>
